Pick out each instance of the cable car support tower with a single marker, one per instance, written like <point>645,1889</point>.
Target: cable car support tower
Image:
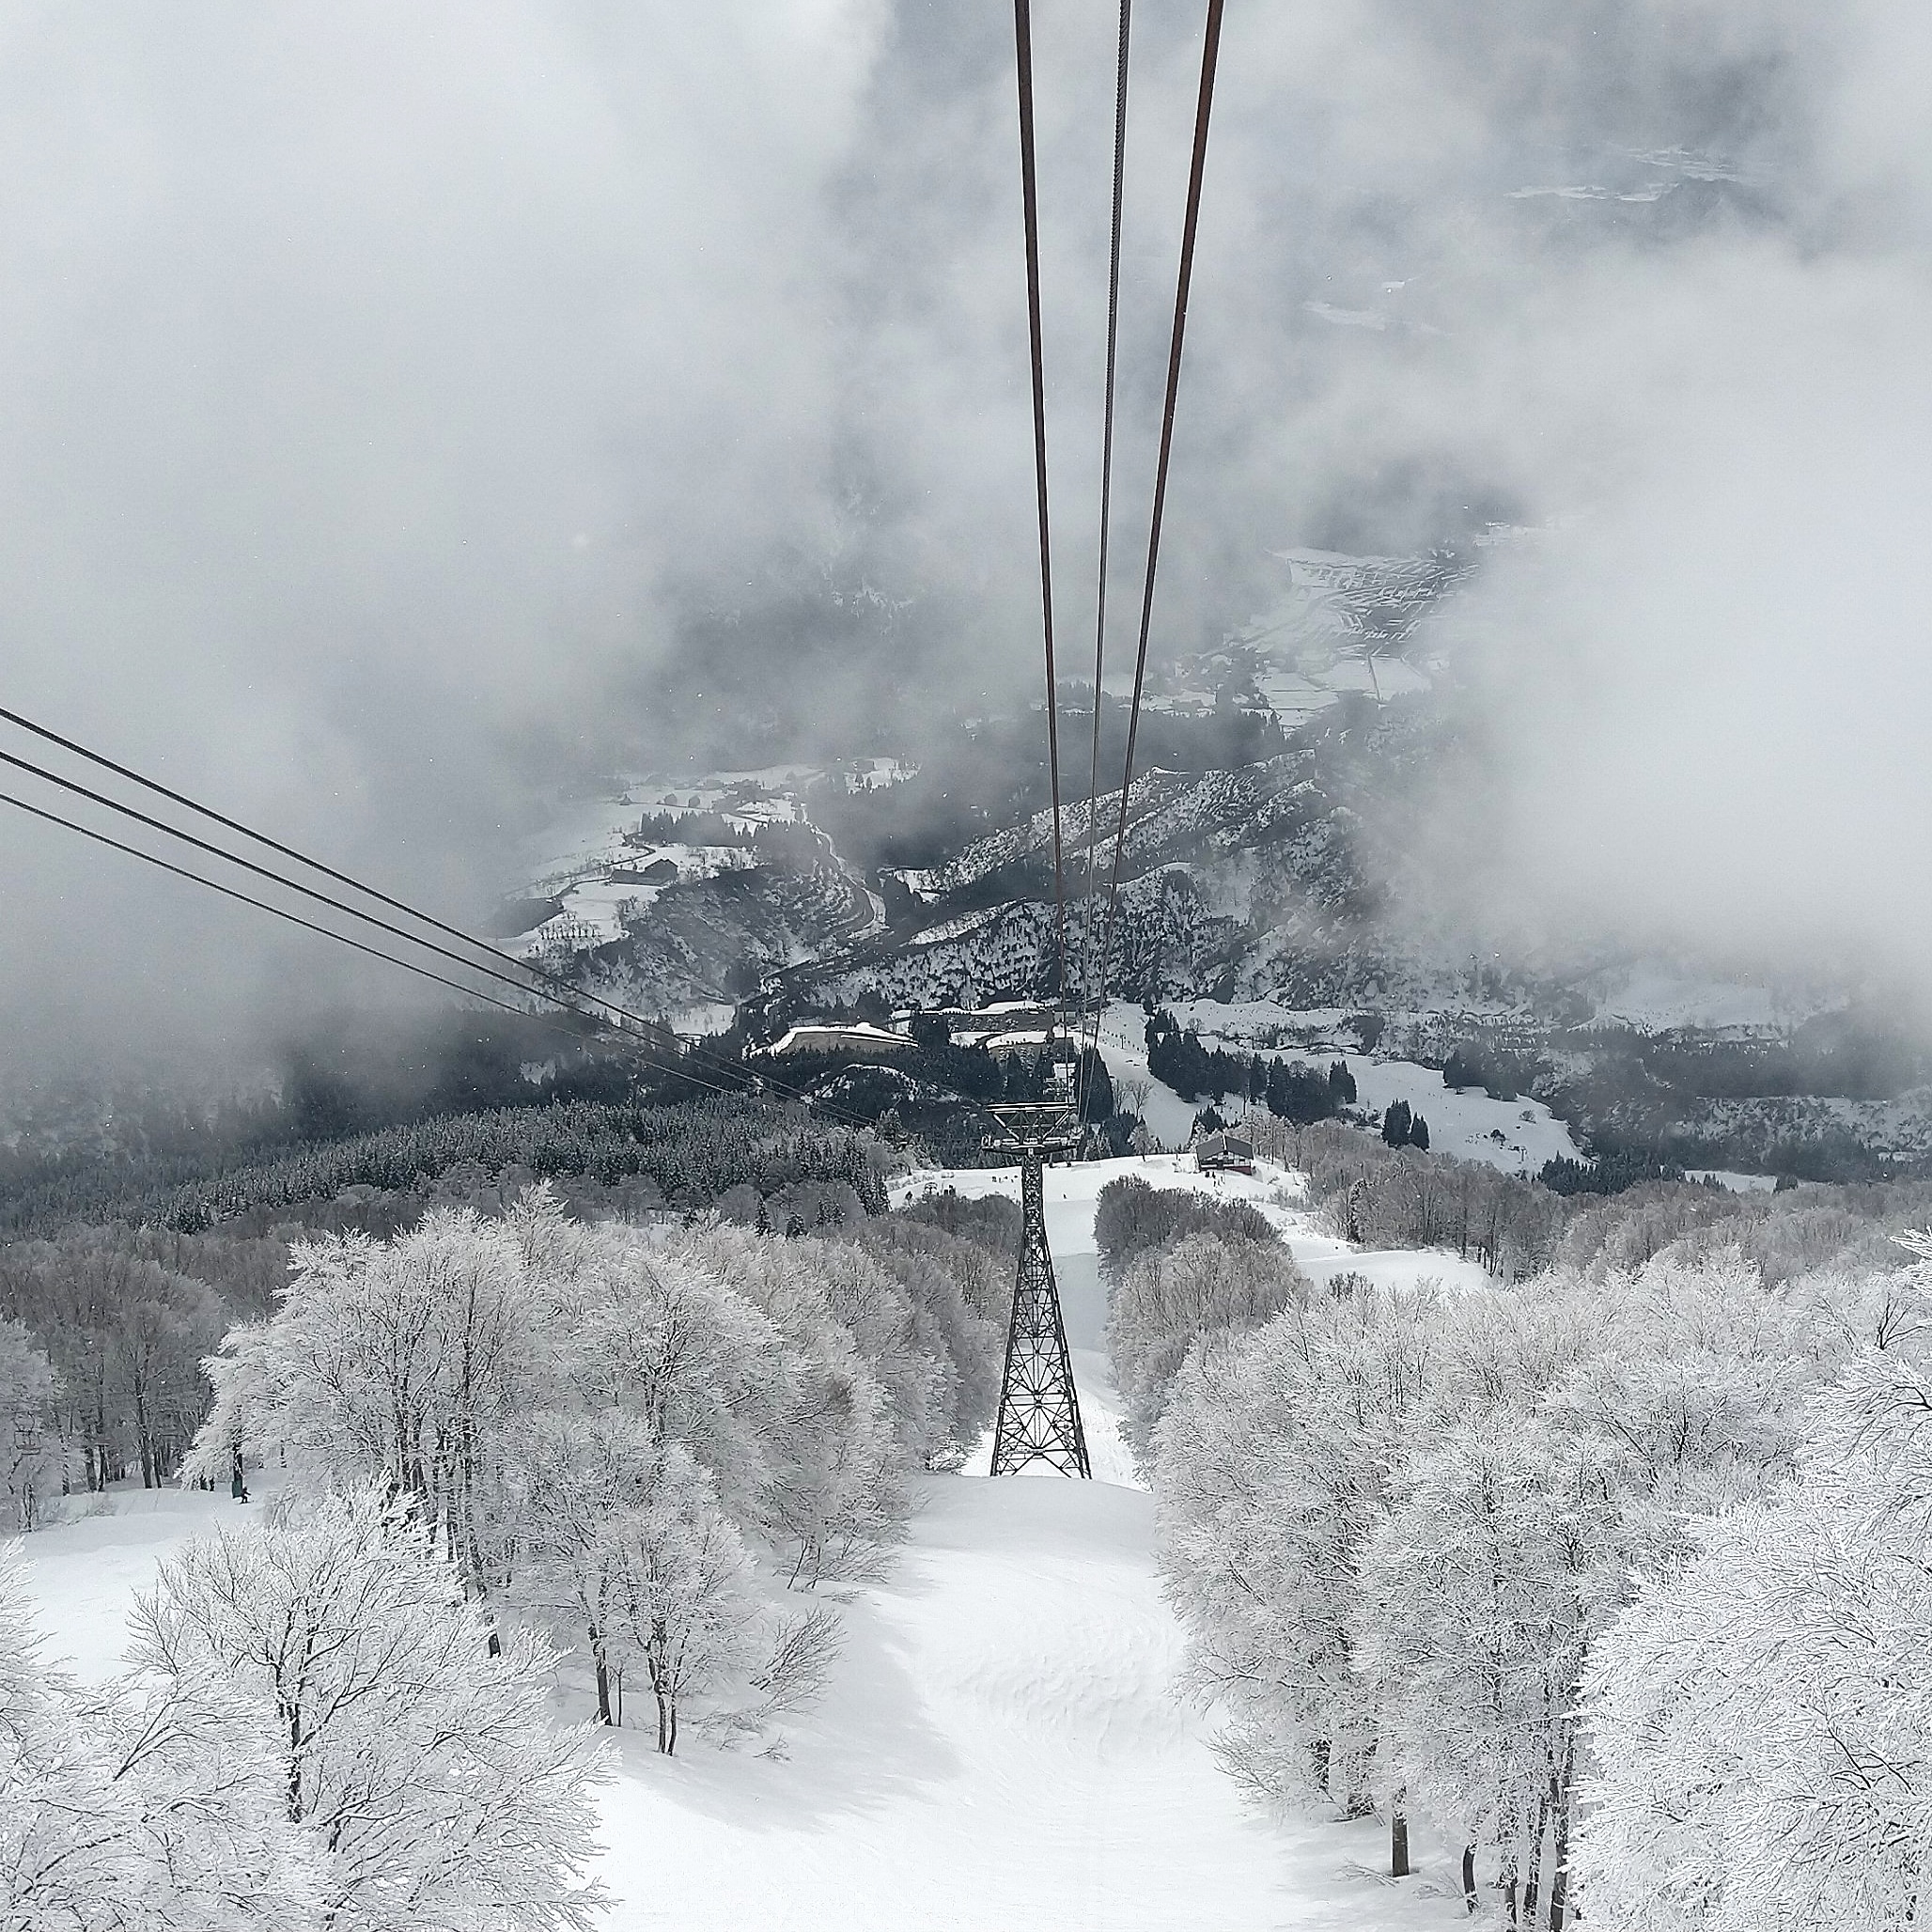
<point>1038,1417</point>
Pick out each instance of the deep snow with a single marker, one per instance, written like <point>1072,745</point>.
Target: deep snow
<point>1000,1750</point>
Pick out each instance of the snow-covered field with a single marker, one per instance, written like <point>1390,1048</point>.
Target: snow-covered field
<point>1124,1047</point>
<point>1071,1190</point>
<point>999,1747</point>
<point>1518,1136</point>
<point>1515,1135</point>
<point>1734,1182</point>
<point>1652,996</point>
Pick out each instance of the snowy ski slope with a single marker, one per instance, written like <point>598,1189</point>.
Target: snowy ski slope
<point>1000,1750</point>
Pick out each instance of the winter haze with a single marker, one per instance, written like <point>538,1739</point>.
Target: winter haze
<point>1337,1331</point>
<point>397,403</point>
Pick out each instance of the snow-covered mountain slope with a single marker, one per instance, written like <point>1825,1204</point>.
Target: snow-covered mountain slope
<point>1304,882</point>
<point>999,1747</point>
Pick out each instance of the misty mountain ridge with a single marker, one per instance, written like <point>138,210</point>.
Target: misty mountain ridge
<point>1277,859</point>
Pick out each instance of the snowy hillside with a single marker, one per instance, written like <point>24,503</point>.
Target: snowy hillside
<point>1267,892</point>
<point>999,1748</point>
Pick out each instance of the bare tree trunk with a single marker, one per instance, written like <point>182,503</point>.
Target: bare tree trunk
<point>1559,1849</point>
<point>143,1438</point>
<point>660,1687</point>
<point>1469,1879</point>
<point>603,1677</point>
<point>1398,1837</point>
<point>1532,1881</point>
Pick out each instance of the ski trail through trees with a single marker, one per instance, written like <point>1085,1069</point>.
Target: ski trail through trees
<point>1000,1749</point>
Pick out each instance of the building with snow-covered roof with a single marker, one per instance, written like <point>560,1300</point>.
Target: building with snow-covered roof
<point>1018,1039</point>
<point>1224,1152</point>
<point>861,1039</point>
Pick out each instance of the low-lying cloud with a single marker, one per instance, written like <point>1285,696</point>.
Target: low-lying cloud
<point>390,398</point>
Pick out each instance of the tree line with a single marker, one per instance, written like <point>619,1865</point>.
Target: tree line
<point>1379,1195</point>
<point>1290,1089</point>
<point>517,1447</point>
<point>621,1432</point>
<point>690,1150</point>
<point>314,1732</point>
<point>102,1334</point>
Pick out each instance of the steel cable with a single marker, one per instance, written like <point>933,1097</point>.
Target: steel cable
<point>1092,824</point>
<point>567,997</point>
<point>655,1065</point>
<point>1022,36</point>
<point>1211,47</point>
<point>282,912</point>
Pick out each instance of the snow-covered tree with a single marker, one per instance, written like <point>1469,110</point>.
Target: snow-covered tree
<point>1588,1422</point>
<point>29,1457</point>
<point>426,1773</point>
<point>1395,1523</point>
<point>1272,1475</point>
<point>1170,1297</point>
<point>125,1335</point>
<point>1762,1720</point>
<point>585,1418</point>
<point>409,1364</point>
<point>685,1350</point>
<point>1480,1596</point>
<point>686,1582</point>
<point>583,1478</point>
<point>835,1499</point>
<point>140,1808</point>
<point>960,1291</point>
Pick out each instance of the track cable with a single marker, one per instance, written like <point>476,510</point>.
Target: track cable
<point>1093,817</point>
<point>282,912</point>
<point>574,999</point>
<point>572,995</point>
<point>1211,47</point>
<point>1022,40</point>
<point>568,998</point>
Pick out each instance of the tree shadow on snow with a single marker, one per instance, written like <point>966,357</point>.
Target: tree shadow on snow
<point>867,1743</point>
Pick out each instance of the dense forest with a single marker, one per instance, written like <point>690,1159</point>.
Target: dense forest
<point>1612,1571</point>
<point>502,1439</point>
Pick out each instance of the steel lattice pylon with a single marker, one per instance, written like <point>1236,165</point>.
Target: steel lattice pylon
<point>1039,1410</point>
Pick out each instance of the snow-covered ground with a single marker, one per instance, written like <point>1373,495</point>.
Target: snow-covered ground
<point>570,861</point>
<point>1518,1136</point>
<point>1732,1181</point>
<point>1515,1135</point>
<point>1070,1192</point>
<point>1652,996</point>
<point>999,1747</point>
<point>1123,1045</point>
